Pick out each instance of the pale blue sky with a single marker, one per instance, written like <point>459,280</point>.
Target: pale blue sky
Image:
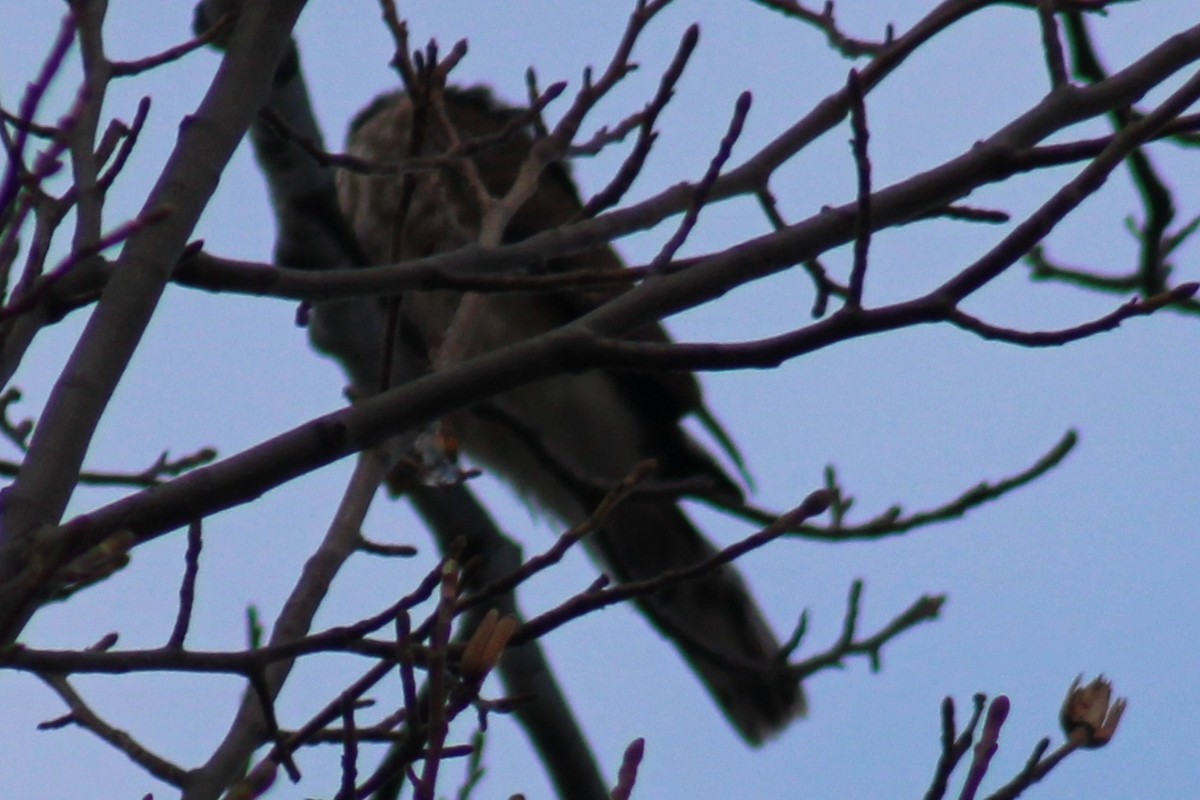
<point>1093,569</point>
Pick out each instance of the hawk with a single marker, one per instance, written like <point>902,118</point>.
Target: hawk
<point>556,441</point>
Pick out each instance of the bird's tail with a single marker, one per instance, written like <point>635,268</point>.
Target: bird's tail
<point>712,619</point>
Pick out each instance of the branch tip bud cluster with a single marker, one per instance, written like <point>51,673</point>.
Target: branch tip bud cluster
<point>1089,715</point>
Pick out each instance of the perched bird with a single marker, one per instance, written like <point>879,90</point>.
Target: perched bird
<point>562,440</point>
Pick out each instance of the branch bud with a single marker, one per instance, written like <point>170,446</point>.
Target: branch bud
<point>1089,716</point>
<point>486,645</point>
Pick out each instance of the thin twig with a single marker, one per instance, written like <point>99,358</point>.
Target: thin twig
<point>704,186</point>
<point>1035,769</point>
<point>923,609</point>
<point>128,141</point>
<point>85,717</point>
<point>1157,197</point>
<point>29,299</point>
<point>963,213</point>
<point>332,710</point>
<point>121,69</point>
<point>862,168</point>
<point>824,21</point>
<point>1052,47</point>
<point>187,588</point>
<point>408,678</point>
<point>27,111</point>
<point>1136,307</point>
<point>631,167</point>
<point>893,521</point>
<point>438,723</point>
<point>591,600</point>
<point>954,747</point>
<point>989,742</point>
<point>554,555</point>
<point>387,550</point>
<point>15,432</point>
<point>349,739</point>
<point>266,704</point>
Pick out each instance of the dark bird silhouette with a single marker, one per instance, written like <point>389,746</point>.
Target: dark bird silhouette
<point>560,441</point>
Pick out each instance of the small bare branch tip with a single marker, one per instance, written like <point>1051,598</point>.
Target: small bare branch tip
<point>996,715</point>
<point>106,642</point>
<point>825,21</point>
<point>387,550</point>
<point>1052,44</point>
<point>793,642</point>
<point>57,723</point>
<point>703,187</point>
<point>211,35</point>
<point>894,522</point>
<point>989,741</point>
<point>949,728</point>
<point>627,776</point>
<point>742,105</point>
<point>192,249</point>
<point>1184,291</point>
<point>1133,308</point>
<point>817,503</point>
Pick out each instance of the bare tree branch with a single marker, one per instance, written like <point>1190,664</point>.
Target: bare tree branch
<point>82,715</point>
<point>48,475</point>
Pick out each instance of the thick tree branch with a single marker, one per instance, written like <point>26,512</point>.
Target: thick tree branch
<point>49,472</point>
